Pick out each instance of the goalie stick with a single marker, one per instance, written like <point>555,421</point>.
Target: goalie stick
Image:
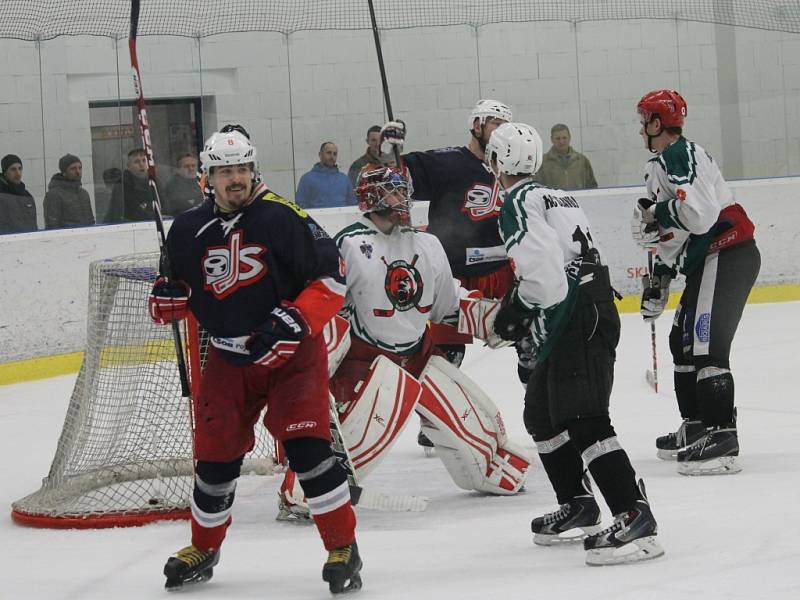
<point>652,374</point>
<point>144,128</point>
<point>367,498</point>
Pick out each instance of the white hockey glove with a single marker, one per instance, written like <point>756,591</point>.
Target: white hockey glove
<point>644,228</point>
<point>654,296</point>
<point>393,135</point>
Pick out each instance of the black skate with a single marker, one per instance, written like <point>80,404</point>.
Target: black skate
<point>427,445</point>
<point>572,522</point>
<point>342,570</point>
<point>688,433</point>
<point>714,454</point>
<point>190,565</point>
<point>632,537</point>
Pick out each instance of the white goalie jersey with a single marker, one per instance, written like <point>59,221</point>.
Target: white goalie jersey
<point>396,283</point>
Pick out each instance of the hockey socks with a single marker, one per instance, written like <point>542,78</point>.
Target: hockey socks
<point>212,500</point>
<point>324,482</point>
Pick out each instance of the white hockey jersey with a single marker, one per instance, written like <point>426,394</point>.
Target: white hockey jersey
<point>544,230</point>
<point>689,192</point>
<point>395,284</point>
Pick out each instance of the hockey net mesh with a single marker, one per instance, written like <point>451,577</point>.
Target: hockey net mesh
<point>45,19</point>
<point>125,451</point>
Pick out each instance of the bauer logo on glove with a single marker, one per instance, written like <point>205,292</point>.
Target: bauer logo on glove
<point>276,340</point>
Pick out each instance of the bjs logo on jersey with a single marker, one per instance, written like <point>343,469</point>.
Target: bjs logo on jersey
<point>227,268</point>
<point>482,202</point>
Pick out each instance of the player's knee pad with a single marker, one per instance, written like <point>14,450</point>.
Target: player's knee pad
<point>593,436</point>
<point>468,431</point>
<point>319,473</point>
<point>715,395</point>
<point>372,422</point>
<point>214,491</point>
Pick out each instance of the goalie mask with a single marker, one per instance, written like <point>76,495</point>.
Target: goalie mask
<point>385,192</point>
<point>513,149</point>
<point>225,148</point>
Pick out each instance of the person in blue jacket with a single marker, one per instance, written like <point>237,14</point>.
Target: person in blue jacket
<point>324,186</point>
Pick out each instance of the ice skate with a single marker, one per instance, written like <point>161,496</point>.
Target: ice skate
<point>342,569</point>
<point>289,512</point>
<point>689,432</point>
<point>572,522</point>
<point>189,565</point>
<point>426,444</point>
<point>714,454</point>
<point>632,537</point>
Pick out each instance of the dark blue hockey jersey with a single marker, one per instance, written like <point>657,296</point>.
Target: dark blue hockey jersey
<point>241,266</point>
<point>464,206</point>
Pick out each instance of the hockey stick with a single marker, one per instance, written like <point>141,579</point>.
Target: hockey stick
<point>384,81</point>
<point>652,375</point>
<point>359,496</point>
<point>144,128</point>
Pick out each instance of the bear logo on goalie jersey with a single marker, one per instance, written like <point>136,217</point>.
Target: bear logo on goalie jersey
<point>403,285</point>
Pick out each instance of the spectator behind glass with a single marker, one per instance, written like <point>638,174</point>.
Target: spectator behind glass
<point>66,203</point>
<point>563,167</point>
<point>372,155</point>
<point>183,190</point>
<point>102,196</point>
<point>131,199</point>
<point>17,208</point>
<point>324,186</point>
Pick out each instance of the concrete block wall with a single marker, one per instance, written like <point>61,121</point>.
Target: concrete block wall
<point>294,91</point>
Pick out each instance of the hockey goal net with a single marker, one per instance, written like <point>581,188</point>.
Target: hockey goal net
<point>125,452</point>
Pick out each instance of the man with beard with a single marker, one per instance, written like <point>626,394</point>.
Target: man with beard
<point>66,203</point>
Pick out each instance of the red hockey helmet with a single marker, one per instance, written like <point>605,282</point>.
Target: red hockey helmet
<point>374,187</point>
<point>667,105</point>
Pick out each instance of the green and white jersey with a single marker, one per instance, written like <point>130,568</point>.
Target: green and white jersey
<point>544,230</point>
<point>396,283</point>
<point>546,235</point>
<point>689,192</point>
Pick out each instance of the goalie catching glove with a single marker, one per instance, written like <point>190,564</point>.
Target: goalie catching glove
<point>168,301</point>
<point>276,340</point>
<point>644,227</point>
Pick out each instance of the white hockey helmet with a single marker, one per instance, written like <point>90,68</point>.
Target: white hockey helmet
<point>486,109</point>
<point>516,149</point>
<point>228,148</point>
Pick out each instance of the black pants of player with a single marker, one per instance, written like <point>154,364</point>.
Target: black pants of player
<point>702,333</point>
<point>566,405</point>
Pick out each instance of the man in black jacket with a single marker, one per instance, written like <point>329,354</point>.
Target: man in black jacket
<point>66,203</point>
<point>132,199</point>
<point>17,208</point>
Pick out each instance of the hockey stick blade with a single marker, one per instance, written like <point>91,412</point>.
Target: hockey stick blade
<point>381,501</point>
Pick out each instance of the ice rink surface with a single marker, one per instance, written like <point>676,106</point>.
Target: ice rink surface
<point>725,537</point>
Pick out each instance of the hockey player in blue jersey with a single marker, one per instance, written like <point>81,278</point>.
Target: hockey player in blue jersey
<point>263,279</point>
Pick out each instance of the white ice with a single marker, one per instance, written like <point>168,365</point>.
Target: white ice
<point>734,536</point>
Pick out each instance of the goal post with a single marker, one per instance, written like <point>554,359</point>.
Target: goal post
<point>124,456</point>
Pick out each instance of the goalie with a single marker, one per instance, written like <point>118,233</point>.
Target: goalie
<point>399,279</point>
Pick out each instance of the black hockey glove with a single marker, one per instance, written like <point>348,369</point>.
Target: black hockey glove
<point>514,320</point>
<point>276,340</point>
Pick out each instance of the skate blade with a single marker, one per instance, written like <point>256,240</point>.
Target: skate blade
<point>572,536</point>
<point>725,465</point>
<point>176,585</point>
<point>646,548</point>
<point>351,585</point>
<point>668,454</point>
<point>287,516</point>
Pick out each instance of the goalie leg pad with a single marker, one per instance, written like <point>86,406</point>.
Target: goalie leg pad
<point>468,431</point>
<point>378,413</point>
<point>336,334</point>
<point>476,317</point>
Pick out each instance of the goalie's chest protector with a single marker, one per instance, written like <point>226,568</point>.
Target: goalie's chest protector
<point>391,283</point>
